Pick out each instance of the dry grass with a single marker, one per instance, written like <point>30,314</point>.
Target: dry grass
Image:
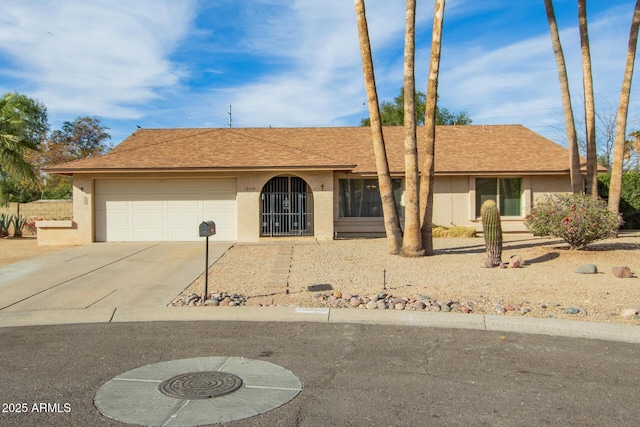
<point>14,249</point>
<point>440,231</point>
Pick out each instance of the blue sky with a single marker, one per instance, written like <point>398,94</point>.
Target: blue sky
<point>293,63</point>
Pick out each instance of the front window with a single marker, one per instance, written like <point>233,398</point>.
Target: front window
<point>506,192</point>
<point>360,198</point>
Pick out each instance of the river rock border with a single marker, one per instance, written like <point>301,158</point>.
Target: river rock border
<point>387,301</point>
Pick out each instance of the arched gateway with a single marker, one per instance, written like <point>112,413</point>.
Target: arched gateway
<point>287,207</point>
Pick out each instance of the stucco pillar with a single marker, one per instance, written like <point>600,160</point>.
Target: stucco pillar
<point>248,216</point>
<point>78,231</point>
<point>323,214</point>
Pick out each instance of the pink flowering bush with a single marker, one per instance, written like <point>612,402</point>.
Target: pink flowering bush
<point>575,218</point>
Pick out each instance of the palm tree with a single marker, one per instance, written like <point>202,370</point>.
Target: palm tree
<point>389,207</point>
<point>615,187</point>
<point>589,104</point>
<point>412,240</point>
<point>428,169</point>
<point>572,138</point>
<point>13,147</point>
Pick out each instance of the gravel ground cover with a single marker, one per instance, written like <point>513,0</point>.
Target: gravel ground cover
<point>359,274</point>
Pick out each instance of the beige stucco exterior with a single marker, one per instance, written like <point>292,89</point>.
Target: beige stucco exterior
<point>250,186</point>
<point>454,204</point>
<point>81,229</point>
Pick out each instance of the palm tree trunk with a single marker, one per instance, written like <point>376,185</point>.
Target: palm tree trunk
<point>428,169</point>
<point>412,240</point>
<point>572,139</point>
<point>389,207</point>
<point>615,187</point>
<point>589,103</point>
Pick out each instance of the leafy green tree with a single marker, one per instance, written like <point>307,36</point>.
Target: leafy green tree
<point>392,113</point>
<point>23,127</point>
<point>82,138</point>
<point>629,198</point>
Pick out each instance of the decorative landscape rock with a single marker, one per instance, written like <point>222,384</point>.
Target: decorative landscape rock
<point>486,263</point>
<point>516,261</point>
<point>355,302</point>
<point>587,269</point>
<point>418,302</point>
<point>371,305</point>
<point>419,305</point>
<point>214,300</point>
<point>622,272</point>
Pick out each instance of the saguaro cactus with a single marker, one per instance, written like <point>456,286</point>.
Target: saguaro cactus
<point>492,231</point>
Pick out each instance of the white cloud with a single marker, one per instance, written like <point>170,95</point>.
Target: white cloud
<point>104,58</point>
<point>322,81</point>
<point>518,82</point>
<point>143,60</point>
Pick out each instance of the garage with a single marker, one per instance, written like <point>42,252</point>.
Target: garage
<point>148,210</point>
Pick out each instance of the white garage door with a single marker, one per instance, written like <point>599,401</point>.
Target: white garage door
<point>147,210</point>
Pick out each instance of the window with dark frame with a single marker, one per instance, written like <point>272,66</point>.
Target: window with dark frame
<point>360,198</point>
<point>506,192</point>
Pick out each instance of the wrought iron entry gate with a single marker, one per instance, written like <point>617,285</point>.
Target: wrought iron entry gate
<point>287,207</point>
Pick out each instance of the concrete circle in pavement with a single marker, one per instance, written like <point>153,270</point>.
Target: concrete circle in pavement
<point>135,396</point>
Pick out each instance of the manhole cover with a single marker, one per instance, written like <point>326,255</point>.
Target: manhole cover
<point>200,385</point>
<point>149,395</point>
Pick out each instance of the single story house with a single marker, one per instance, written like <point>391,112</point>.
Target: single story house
<point>160,184</point>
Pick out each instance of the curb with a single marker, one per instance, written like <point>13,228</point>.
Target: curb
<point>480,322</point>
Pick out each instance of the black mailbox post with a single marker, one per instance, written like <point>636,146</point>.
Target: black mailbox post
<point>206,229</point>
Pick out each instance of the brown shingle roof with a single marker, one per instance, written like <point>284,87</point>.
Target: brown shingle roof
<point>459,150</point>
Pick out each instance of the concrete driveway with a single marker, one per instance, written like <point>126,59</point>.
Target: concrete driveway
<point>148,274</point>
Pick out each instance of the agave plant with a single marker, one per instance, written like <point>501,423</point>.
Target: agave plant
<point>5,222</point>
<point>19,222</point>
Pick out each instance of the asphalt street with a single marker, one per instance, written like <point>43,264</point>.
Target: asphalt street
<point>352,374</point>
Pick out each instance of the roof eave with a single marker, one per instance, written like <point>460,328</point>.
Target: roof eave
<point>72,171</point>
<point>476,172</point>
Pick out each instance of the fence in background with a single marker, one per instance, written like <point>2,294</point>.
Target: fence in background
<point>40,209</point>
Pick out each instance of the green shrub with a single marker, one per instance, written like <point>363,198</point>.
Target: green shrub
<point>629,197</point>
<point>575,218</point>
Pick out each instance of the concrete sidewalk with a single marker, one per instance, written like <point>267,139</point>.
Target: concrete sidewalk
<point>105,275</point>
<point>481,322</point>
